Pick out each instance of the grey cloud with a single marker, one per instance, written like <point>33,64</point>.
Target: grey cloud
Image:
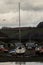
<point>8,5</point>
<point>12,5</point>
<point>31,13</point>
<point>28,6</point>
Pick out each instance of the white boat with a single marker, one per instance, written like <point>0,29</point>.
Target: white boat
<point>30,45</point>
<point>19,47</point>
<point>20,50</point>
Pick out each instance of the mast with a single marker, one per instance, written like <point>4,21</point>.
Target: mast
<point>19,25</point>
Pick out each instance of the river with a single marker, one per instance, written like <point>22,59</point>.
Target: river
<point>22,63</point>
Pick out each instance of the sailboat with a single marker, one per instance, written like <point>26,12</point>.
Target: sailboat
<point>20,49</point>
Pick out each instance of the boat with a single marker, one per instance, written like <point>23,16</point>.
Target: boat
<point>20,49</point>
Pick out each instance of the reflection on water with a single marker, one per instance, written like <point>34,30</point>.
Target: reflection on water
<point>21,63</point>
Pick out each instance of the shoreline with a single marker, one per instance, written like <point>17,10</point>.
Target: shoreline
<point>21,59</point>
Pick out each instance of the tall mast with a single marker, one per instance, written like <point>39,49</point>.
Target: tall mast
<point>19,25</point>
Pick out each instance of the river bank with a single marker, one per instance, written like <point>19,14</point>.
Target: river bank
<point>21,59</point>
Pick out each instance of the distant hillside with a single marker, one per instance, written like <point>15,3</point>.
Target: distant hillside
<point>2,34</point>
<point>40,25</point>
<point>27,33</point>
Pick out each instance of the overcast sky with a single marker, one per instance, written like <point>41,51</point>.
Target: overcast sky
<point>31,12</point>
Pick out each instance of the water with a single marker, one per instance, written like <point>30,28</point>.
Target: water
<point>22,63</point>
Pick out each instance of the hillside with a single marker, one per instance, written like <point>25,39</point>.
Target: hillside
<point>40,25</point>
<point>27,33</point>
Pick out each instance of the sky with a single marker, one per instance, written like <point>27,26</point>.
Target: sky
<point>31,13</point>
